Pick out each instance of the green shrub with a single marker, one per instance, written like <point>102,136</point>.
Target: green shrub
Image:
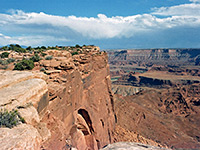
<point>77,46</point>
<point>3,62</point>
<point>17,48</point>
<point>10,119</point>
<point>4,67</point>
<point>35,58</point>
<point>42,69</point>
<point>4,48</point>
<point>49,57</point>
<point>4,55</point>
<point>43,47</point>
<point>10,60</point>
<point>43,54</point>
<point>29,48</point>
<point>7,61</point>
<point>24,65</point>
<point>74,53</point>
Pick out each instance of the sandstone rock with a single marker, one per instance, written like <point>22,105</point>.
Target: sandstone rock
<point>120,134</point>
<point>81,108</point>
<point>19,88</point>
<point>82,58</point>
<point>61,58</point>
<point>58,63</point>
<point>66,64</point>
<point>58,53</point>
<point>22,137</point>
<point>78,139</point>
<point>49,72</point>
<point>43,131</point>
<point>45,63</point>
<point>91,48</point>
<point>125,90</point>
<point>13,77</point>
<point>167,116</point>
<point>66,54</point>
<point>30,114</point>
<point>131,146</point>
<point>54,63</point>
<point>148,57</point>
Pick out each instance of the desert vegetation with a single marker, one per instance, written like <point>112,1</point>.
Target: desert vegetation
<point>24,64</point>
<point>16,57</point>
<point>10,119</point>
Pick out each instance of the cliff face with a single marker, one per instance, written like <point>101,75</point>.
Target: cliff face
<point>156,79</point>
<point>152,56</point>
<point>157,96</point>
<point>82,104</point>
<point>168,117</point>
<point>71,106</point>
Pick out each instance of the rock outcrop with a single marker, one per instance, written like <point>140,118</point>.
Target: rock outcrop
<point>70,106</point>
<point>18,89</point>
<point>125,90</point>
<point>131,146</point>
<point>26,92</point>
<point>81,103</point>
<point>22,137</point>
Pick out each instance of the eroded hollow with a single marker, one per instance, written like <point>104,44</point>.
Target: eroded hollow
<point>87,119</point>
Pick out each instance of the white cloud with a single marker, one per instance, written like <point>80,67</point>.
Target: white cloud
<point>30,40</point>
<point>41,27</point>
<point>100,27</point>
<point>4,37</point>
<point>192,9</point>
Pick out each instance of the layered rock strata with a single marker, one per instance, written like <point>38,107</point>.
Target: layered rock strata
<point>148,57</point>
<point>26,92</point>
<point>81,103</point>
<point>70,106</point>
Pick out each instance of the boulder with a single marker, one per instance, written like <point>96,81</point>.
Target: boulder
<point>131,146</point>
<point>18,88</point>
<point>22,137</point>
<point>30,114</point>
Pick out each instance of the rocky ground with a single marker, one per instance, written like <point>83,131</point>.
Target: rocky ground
<point>157,99</point>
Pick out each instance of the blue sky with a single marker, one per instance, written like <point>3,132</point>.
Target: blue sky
<point>109,24</point>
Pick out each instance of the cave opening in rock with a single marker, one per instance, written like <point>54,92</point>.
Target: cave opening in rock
<point>87,119</point>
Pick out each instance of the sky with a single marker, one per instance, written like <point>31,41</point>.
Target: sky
<point>110,24</point>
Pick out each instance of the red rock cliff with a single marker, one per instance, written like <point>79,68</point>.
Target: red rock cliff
<point>80,113</point>
<point>75,106</point>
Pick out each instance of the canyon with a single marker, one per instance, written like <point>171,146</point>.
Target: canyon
<point>83,98</point>
<point>156,94</point>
